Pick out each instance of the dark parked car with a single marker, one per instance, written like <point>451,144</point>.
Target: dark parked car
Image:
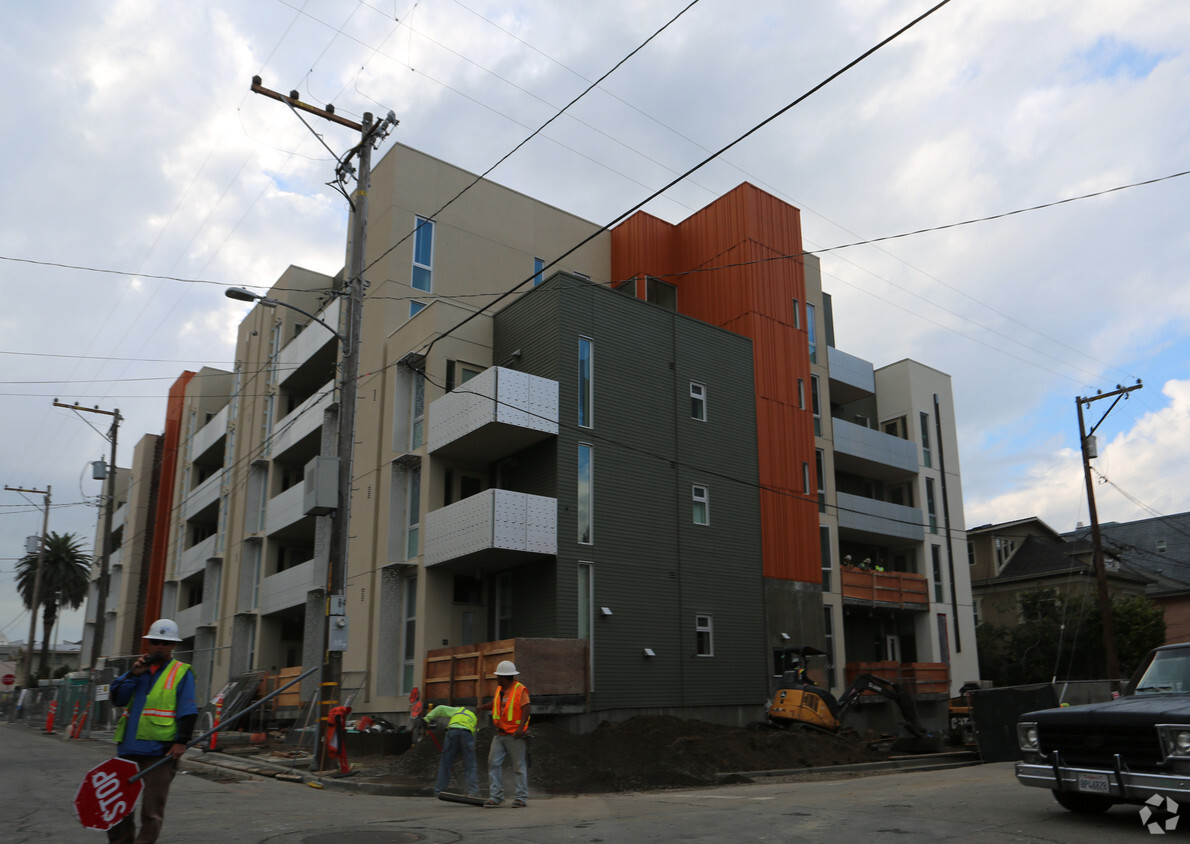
<point>1121,751</point>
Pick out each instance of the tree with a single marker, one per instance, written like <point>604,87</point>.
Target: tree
<point>65,579</point>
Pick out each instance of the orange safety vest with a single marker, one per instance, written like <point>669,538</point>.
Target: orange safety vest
<point>507,714</point>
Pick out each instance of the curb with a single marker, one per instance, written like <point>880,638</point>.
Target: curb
<point>215,763</point>
<point>925,762</point>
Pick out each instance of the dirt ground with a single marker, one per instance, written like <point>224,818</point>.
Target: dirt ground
<point>646,752</point>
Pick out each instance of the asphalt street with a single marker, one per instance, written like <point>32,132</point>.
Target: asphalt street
<point>39,776</point>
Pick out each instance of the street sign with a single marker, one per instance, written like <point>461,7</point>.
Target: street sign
<point>8,679</point>
<point>106,796</point>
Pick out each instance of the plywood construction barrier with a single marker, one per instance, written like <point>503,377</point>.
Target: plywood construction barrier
<point>466,674</point>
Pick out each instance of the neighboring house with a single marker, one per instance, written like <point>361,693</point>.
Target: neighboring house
<point>647,476</point>
<point>1159,547</point>
<point>1010,559</point>
<point>60,654</point>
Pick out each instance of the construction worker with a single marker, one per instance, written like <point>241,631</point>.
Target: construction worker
<point>158,721</point>
<point>510,716</point>
<point>460,738</point>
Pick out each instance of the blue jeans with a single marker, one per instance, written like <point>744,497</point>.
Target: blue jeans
<point>505,745</point>
<point>458,741</point>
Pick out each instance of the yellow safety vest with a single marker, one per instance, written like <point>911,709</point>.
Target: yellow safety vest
<point>158,720</point>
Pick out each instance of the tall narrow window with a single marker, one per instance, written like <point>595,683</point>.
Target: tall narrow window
<point>701,498</point>
<point>698,401</point>
<point>585,502</point>
<point>409,651</point>
<point>423,255</point>
<point>820,470</point>
<point>503,606</point>
<point>801,394</point>
<point>797,314</point>
<point>413,512</point>
<point>815,406</point>
<point>805,478</point>
<point>586,362</point>
<point>416,308</point>
<point>824,553</point>
<point>936,556</point>
<point>931,508</point>
<point>704,635</point>
<point>811,333</point>
<point>925,440</point>
<point>417,417</point>
<point>586,600</point>
<point>538,266</point>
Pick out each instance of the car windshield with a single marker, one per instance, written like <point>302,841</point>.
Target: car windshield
<point>1168,672</point>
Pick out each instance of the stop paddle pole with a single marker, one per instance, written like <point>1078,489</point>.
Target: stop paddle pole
<point>225,724</point>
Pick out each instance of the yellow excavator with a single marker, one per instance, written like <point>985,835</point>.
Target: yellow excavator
<point>797,701</point>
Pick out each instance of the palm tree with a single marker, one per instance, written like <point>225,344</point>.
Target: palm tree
<point>65,579</point>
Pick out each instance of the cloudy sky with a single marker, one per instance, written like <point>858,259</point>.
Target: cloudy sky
<point>133,144</point>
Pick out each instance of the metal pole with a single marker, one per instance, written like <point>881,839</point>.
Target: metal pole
<point>105,556</point>
<point>332,673</point>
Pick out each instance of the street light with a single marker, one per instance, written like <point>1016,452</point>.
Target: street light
<point>243,294</point>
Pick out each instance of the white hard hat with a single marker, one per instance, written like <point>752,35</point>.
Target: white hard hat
<point>165,629</point>
<point>506,669</point>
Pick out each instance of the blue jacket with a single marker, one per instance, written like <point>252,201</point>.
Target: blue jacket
<point>131,691</point>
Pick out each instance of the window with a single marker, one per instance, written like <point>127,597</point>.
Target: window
<point>586,600</point>
<point>417,417</point>
<point>797,314</point>
<point>1161,548</point>
<point>468,589</point>
<point>702,505</point>
<point>936,556</point>
<point>413,512</point>
<point>820,469</point>
<point>970,553</point>
<point>801,394</point>
<point>416,308</point>
<point>698,401</point>
<point>660,293</point>
<point>824,552</point>
<point>423,255</point>
<point>458,373</point>
<point>1005,548</point>
<point>805,478</point>
<point>538,266</point>
<point>704,640</point>
<point>585,503</point>
<point>925,440</point>
<point>931,508</point>
<point>586,354</point>
<point>503,606</point>
<point>409,652</point>
<point>815,407</point>
<point>811,333</point>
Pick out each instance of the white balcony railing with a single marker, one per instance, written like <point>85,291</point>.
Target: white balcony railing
<point>284,509</point>
<point>119,517</point>
<point>202,496</point>
<point>493,519</point>
<point>313,337</point>
<point>304,419</point>
<point>188,620</point>
<point>194,558</point>
<point>496,413</point>
<point>209,434</point>
<point>879,518</point>
<point>878,450</point>
<point>853,373</point>
<point>287,588</point>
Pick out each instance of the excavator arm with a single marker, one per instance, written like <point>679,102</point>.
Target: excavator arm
<point>892,691</point>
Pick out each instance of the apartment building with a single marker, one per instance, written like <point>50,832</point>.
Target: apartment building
<point>639,474</point>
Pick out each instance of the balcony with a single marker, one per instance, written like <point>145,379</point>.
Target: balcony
<point>494,527</point>
<point>284,509</point>
<point>859,450</point>
<point>867,519</point>
<point>189,620</point>
<point>119,517</point>
<point>303,420</point>
<point>885,589</point>
<point>851,378</point>
<point>312,339</point>
<point>287,588</point>
<point>916,678</point>
<point>495,414</point>
<point>194,558</point>
<point>202,496</point>
<point>209,434</point>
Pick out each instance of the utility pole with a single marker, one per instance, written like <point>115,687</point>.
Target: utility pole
<point>335,631</point>
<point>109,508</point>
<point>36,603</point>
<point>1086,439</point>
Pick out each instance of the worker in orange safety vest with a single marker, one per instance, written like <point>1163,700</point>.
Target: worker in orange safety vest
<point>510,717</point>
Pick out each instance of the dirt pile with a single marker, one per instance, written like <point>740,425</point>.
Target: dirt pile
<point>646,752</point>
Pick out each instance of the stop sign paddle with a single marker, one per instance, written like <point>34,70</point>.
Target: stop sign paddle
<point>106,796</point>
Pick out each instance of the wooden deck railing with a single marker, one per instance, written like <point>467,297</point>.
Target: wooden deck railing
<point>886,587</point>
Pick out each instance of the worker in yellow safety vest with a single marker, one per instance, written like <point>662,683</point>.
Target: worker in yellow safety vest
<point>157,694</point>
<point>510,716</point>
<point>460,739</point>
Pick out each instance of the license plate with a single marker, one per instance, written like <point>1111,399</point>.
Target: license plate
<point>1094,783</point>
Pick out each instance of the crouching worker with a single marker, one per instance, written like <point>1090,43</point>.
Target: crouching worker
<point>460,738</point>
<point>158,721</point>
<point>510,716</point>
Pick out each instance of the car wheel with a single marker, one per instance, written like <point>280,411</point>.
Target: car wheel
<point>1084,804</point>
